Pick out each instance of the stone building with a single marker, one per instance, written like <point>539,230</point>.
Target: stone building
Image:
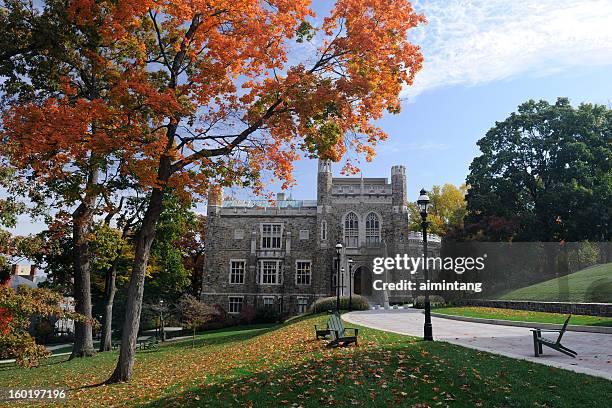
<point>283,254</point>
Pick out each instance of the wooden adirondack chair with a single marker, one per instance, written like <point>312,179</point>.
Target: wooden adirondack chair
<point>338,332</point>
<point>322,332</point>
<point>539,341</point>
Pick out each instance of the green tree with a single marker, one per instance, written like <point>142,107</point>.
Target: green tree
<point>547,168</point>
<point>167,276</point>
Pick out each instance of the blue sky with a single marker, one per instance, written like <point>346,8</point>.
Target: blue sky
<point>482,59</point>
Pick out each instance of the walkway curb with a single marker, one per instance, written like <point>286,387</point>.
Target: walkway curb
<point>569,365</point>
<point>533,325</point>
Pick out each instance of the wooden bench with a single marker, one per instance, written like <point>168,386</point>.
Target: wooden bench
<point>148,343</point>
<point>338,334</point>
<point>539,341</point>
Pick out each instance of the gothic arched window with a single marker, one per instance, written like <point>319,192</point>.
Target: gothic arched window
<point>372,232</point>
<point>351,230</point>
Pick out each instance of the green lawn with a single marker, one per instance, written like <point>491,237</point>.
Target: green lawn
<point>285,366</point>
<point>593,284</point>
<point>523,315</point>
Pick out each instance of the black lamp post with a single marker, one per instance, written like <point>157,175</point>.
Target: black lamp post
<point>338,250</point>
<point>350,266</point>
<point>162,329</point>
<point>423,203</point>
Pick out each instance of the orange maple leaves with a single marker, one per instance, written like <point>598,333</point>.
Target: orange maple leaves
<point>209,86</point>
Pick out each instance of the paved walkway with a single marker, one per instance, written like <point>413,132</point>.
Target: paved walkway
<point>594,349</point>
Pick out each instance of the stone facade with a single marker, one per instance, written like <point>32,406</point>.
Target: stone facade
<point>284,255</point>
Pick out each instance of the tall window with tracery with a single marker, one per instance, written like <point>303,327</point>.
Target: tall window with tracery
<point>372,233</point>
<point>351,230</point>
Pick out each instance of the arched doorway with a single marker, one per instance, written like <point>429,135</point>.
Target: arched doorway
<point>362,281</point>
<point>357,281</point>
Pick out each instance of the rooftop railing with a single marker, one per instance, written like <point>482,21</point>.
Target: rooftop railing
<point>269,204</point>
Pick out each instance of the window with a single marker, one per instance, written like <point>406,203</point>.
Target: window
<point>351,230</point>
<point>304,234</point>
<point>237,268</point>
<point>238,234</point>
<point>271,236</point>
<point>372,229</point>
<point>269,272</point>
<point>235,304</point>
<point>268,301</point>
<point>302,305</point>
<point>302,272</point>
<point>323,230</point>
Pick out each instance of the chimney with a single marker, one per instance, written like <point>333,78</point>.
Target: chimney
<point>215,199</point>
<point>33,271</point>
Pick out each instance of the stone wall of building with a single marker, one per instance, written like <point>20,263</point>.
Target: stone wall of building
<point>234,233</point>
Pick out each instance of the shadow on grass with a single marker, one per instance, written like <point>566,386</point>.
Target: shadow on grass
<point>403,374</point>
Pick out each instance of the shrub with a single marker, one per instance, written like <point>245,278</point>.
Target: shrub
<point>329,303</point>
<point>434,300</point>
<point>247,314</point>
<point>266,315</point>
<point>221,320</point>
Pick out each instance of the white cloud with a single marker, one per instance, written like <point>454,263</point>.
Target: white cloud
<point>469,42</point>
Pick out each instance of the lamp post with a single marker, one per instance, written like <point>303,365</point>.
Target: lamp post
<point>350,266</point>
<point>423,203</point>
<point>162,331</point>
<point>338,251</point>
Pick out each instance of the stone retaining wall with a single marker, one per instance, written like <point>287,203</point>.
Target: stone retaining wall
<point>591,309</point>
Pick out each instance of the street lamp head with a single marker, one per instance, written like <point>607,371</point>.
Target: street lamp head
<point>423,201</point>
<point>338,248</point>
<point>350,261</point>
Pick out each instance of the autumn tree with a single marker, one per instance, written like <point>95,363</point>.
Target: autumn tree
<point>447,211</point>
<point>240,103</point>
<point>22,305</point>
<point>67,116</point>
<point>194,314</point>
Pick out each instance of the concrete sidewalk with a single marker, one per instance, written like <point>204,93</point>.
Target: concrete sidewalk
<point>594,349</point>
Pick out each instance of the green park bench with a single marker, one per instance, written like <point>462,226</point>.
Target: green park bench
<point>148,343</point>
<point>337,332</point>
<point>539,341</point>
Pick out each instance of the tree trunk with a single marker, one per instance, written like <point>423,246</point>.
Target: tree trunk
<point>82,219</point>
<point>125,365</point>
<point>106,341</point>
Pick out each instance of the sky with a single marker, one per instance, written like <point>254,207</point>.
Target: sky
<point>482,59</point>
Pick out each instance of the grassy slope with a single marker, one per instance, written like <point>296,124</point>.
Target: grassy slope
<point>523,315</point>
<point>580,284</point>
<point>285,366</point>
